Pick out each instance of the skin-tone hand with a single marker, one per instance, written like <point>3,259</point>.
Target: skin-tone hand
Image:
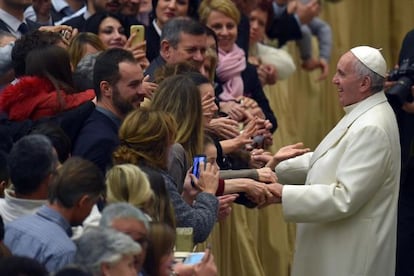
<point>207,266</point>
<point>274,195</point>
<point>148,87</point>
<point>234,110</point>
<point>286,153</point>
<point>323,64</point>
<point>256,191</point>
<point>138,51</point>
<point>223,127</point>
<point>209,177</point>
<point>312,64</point>
<point>267,74</point>
<point>259,158</point>
<point>266,175</point>
<point>225,203</point>
<point>69,34</point>
<point>208,103</point>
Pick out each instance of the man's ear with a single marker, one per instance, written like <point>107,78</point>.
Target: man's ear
<point>105,269</point>
<point>165,49</point>
<point>366,83</point>
<point>106,89</point>
<point>84,201</point>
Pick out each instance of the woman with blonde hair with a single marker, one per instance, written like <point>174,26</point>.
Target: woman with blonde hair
<point>146,139</point>
<point>128,183</point>
<point>239,89</point>
<point>142,188</point>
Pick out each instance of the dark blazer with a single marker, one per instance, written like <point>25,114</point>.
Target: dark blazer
<point>254,90</point>
<point>284,28</point>
<point>153,42</point>
<point>76,22</point>
<point>31,25</point>
<point>154,65</point>
<point>97,139</point>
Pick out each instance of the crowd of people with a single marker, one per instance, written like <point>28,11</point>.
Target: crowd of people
<point>99,133</point>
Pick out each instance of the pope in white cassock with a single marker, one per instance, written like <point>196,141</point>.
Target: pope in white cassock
<point>347,209</point>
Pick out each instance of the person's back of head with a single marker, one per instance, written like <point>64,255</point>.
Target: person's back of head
<point>119,210</point>
<point>77,47</point>
<point>145,137</point>
<point>190,129</point>
<point>51,62</point>
<point>168,70</point>
<point>107,67</point>
<point>27,43</point>
<point>60,141</point>
<point>78,183</point>
<point>173,29</point>
<point>32,160</point>
<point>128,183</point>
<point>163,208</point>
<point>83,74</point>
<point>99,247</point>
<point>161,242</point>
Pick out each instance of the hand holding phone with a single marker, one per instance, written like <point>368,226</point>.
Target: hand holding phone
<point>139,32</point>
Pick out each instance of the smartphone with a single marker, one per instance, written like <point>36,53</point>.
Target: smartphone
<point>139,31</point>
<point>194,258</point>
<point>196,161</point>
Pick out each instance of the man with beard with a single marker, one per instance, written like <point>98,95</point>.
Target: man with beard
<point>182,39</point>
<point>12,18</point>
<point>117,81</point>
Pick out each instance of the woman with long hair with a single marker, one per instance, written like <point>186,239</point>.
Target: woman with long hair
<point>146,139</point>
<point>46,89</point>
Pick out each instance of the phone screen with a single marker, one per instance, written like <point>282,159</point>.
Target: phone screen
<point>196,161</point>
<point>194,258</point>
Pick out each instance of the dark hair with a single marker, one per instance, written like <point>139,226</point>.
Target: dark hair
<point>210,32</point>
<point>92,23</point>
<point>161,240</point>
<point>197,78</point>
<point>107,67</point>
<point>31,160</point>
<point>173,29</point>
<point>266,6</point>
<point>163,208</point>
<point>27,43</point>
<point>57,136</point>
<point>192,9</point>
<point>51,62</point>
<point>22,266</point>
<point>75,178</point>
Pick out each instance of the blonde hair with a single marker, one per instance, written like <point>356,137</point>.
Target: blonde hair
<point>211,55</point>
<point>76,48</point>
<point>179,96</point>
<point>145,136</point>
<point>226,7</point>
<point>128,183</point>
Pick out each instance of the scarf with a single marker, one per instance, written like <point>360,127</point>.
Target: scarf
<point>229,70</point>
